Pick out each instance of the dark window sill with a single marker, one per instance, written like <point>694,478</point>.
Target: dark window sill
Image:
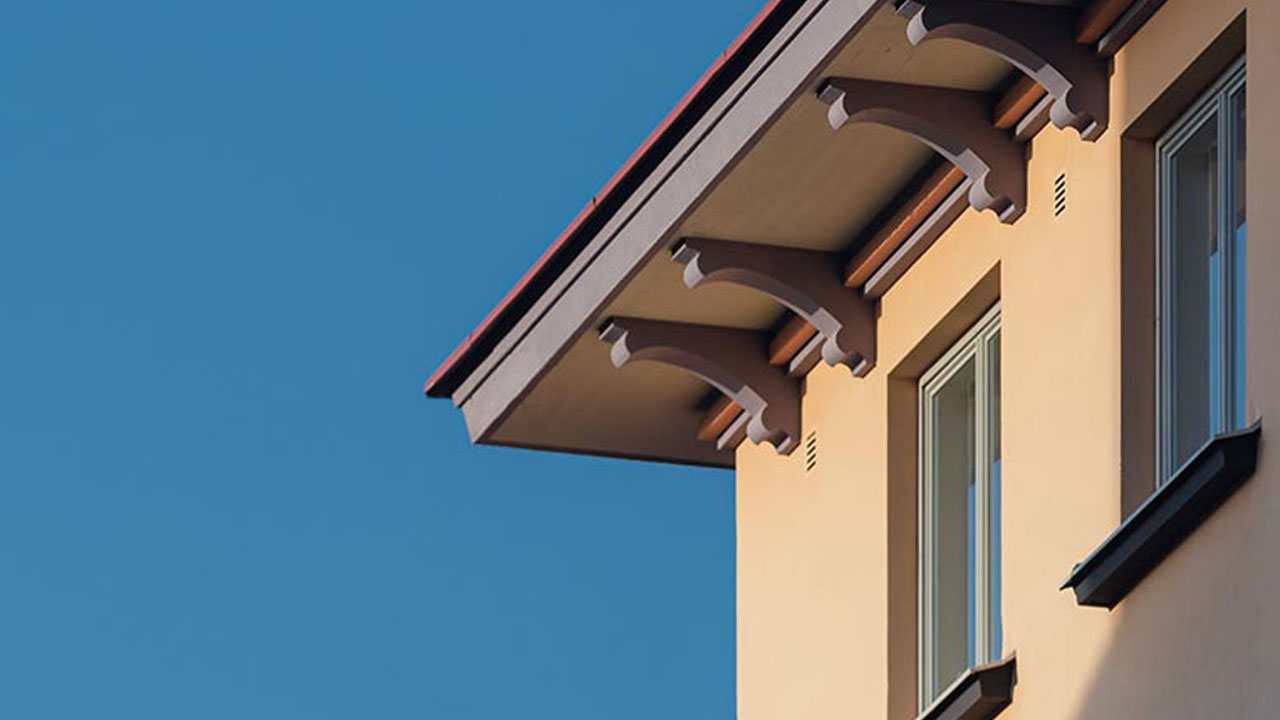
<point>979,694</point>
<point>1166,519</point>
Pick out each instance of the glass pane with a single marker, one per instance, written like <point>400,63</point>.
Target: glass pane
<point>995,630</point>
<point>1239,252</point>
<point>954,521</point>
<point>1194,273</point>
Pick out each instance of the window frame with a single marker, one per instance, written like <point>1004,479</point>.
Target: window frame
<point>1214,103</point>
<point>973,345</point>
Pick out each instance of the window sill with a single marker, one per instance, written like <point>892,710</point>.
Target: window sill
<point>979,694</point>
<point>1166,519</point>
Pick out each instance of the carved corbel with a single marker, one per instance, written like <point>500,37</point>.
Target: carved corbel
<point>1039,40</point>
<point>730,359</point>
<point>956,123</point>
<point>806,281</point>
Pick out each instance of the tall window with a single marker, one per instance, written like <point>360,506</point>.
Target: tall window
<point>1201,166</point>
<point>960,509</point>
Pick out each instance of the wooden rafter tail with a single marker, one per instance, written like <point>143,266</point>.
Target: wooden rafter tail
<point>717,419</point>
<point>790,340</point>
<point>887,240</point>
<point>1017,103</point>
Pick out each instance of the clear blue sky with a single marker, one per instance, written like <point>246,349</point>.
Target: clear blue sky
<point>235,237</point>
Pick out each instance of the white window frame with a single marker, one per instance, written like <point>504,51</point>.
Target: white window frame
<point>975,345</point>
<point>1214,103</point>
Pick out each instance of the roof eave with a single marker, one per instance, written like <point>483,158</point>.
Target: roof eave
<point>733,62</point>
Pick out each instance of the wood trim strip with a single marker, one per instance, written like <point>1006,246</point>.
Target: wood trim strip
<point>1097,18</point>
<point>1134,18</point>
<point>789,340</point>
<point>920,240</point>
<point>734,435</point>
<point>719,417</point>
<point>1014,105</point>
<point>892,234</point>
<point>1034,121</point>
<point>808,358</point>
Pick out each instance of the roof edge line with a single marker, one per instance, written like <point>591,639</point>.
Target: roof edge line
<point>728,67</point>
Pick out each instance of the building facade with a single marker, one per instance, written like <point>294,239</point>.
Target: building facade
<point>964,293</point>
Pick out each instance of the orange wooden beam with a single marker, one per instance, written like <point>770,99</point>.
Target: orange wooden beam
<point>1097,18</point>
<point>789,340</point>
<point>1017,102</point>
<point>718,418</point>
<point>899,228</point>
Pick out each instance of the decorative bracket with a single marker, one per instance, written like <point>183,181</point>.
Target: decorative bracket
<point>1039,40</point>
<point>806,281</point>
<point>730,359</point>
<point>956,123</point>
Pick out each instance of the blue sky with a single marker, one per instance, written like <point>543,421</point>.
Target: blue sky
<point>236,237</point>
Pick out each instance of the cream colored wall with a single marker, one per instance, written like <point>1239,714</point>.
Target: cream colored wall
<point>1196,639</point>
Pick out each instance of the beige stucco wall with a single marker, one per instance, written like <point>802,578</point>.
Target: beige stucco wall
<point>821,630</point>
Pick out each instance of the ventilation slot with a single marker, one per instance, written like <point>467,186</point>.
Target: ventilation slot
<point>811,452</point>
<point>1060,195</point>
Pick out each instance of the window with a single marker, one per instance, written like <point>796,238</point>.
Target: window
<point>960,509</point>
<point>1201,274</point>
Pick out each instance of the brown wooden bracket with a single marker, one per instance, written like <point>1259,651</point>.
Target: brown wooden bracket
<point>808,282</point>
<point>730,359</point>
<point>956,123</point>
<point>1039,40</point>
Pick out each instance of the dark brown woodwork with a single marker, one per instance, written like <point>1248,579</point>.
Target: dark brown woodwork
<point>1133,18</point>
<point>718,418</point>
<point>1017,102</point>
<point>917,243</point>
<point>731,360</point>
<point>1039,40</point>
<point>956,123</point>
<point>1034,121</point>
<point>1097,17</point>
<point>808,282</point>
<point>734,435</point>
<point>807,358</point>
<point>887,240</point>
<point>790,340</point>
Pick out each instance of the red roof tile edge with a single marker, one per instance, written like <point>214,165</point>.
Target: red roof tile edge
<point>476,346</point>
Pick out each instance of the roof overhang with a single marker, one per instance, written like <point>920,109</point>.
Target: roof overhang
<point>752,235</point>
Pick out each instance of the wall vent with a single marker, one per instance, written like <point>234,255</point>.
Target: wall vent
<point>1060,195</point>
<point>811,452</point>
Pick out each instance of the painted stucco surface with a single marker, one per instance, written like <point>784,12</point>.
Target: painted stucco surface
<point>826,609</point>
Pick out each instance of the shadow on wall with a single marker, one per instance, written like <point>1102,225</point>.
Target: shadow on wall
<point>1200,636</point>
<point>1197,638</point>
